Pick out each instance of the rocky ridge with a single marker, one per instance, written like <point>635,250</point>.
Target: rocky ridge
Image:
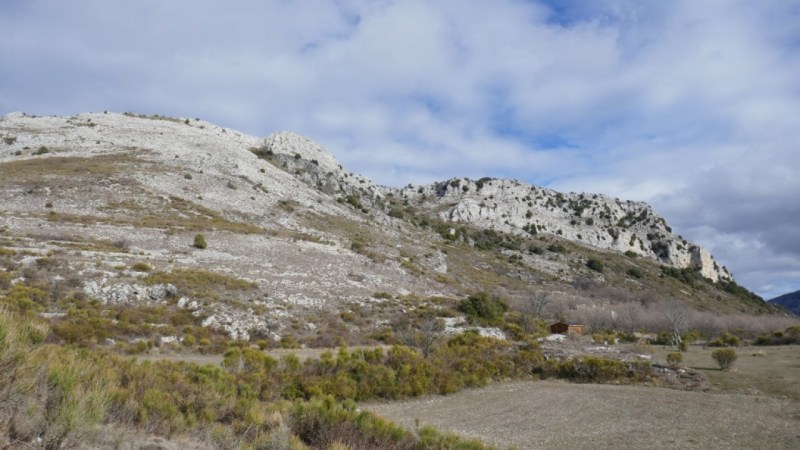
<point>602,222</point>
<point>102,192</point>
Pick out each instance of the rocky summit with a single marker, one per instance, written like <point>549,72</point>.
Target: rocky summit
<point>108,207</point>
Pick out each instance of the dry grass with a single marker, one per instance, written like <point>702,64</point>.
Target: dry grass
<point>97,166</point>
<point>200,283</point>
<point>771,371</point>
<point>177,219</point>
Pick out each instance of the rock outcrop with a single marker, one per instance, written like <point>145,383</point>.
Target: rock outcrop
<point>591,219</point>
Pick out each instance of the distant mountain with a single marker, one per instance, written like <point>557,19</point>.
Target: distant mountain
<point>790,301</point>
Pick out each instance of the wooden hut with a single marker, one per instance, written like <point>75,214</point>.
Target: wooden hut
<point>566,328</point>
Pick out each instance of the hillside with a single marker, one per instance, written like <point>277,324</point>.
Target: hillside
<point>790,301</point>
<point>104,208</point>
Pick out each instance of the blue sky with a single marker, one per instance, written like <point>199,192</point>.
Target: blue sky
<point>692,106</point>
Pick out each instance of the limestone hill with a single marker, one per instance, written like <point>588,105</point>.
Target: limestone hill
<point>104,208</point>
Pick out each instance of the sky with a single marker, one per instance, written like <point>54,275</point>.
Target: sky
<point>692,106</point>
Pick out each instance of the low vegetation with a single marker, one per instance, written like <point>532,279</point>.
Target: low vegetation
<point>483,309</point>
<point>253,398</point>
<point>725,357</point>
<point>200,242</point>
<point>201,284</point>
<point>790,335</point>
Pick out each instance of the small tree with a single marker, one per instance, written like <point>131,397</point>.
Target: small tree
<point>482,308</point>
<point>426,336</point>
<point>724,357</point>
<point>200,241</point>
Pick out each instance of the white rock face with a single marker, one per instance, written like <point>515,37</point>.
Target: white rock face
<point>591,219</point>
<point>124,293</point>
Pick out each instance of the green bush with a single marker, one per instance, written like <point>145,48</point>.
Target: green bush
<point>200,242</point>
<point>635,273</point>
<point>724,357</point>
<point>594,369</point>
<point>480,307</point>
<point>731,340</point>
<point>726,340</point>
<point>595,264</point>
<point>396,213</point>
<point>354,201</point>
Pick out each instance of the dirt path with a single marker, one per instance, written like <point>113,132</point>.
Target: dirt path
<point>553,414</point>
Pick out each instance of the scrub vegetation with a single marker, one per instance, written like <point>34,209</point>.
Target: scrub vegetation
<point>68,395</point>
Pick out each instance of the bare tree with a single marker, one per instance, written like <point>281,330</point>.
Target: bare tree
<point>595,319</point>
<point>677,314</point>
<point>424,335</point>
<point>629,317</point>
<point>538,301</point>
<point>707,324</point>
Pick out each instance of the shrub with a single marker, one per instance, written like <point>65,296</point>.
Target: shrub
<point>635,273</point>
<point>141,267</point>
<point>41,151</point>
<point>396,213</point>
<point>289,341</point>
<point>535,250</point>
<point>595,369</point>
<point>674,359</point>
<point>724,357</point>
<point>726,340</point>
<point>730,340</point>
<point>353,200</point>
<point>482,308</point>
<point>200,241</point>
<point>790,335</point>
<point>595,264</point>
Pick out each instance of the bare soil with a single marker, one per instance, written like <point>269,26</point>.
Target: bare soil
<point>756,404</point>
<point>554,414</point>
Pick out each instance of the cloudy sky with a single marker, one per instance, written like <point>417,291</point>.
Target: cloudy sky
<point>693,106</point>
